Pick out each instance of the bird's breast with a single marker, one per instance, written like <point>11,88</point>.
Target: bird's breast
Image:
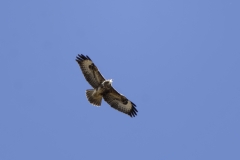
<point>100,90</point>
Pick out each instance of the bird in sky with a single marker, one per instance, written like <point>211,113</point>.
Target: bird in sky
<point>102,88</point>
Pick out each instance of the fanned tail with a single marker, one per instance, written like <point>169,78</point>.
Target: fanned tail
<point>93,99</point>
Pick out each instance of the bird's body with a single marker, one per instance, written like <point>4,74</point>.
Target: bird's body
<point>95,95</point>
<point>103,88</point>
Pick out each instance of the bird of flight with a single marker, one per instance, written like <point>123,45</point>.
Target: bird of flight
<point>102,88</point>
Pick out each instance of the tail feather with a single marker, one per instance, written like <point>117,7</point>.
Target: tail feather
<point>93,99</point>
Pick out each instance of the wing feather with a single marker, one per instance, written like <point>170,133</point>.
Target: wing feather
<point>120,102</point>
<point>90,71</point>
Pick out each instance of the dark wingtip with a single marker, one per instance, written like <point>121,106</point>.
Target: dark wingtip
<point>81,57</point>
<point>133,111</point>
<point>88,58</point>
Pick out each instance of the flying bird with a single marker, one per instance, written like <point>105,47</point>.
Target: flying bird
<point>102,88</point>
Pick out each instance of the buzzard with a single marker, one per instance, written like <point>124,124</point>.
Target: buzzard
<point>102,88</point>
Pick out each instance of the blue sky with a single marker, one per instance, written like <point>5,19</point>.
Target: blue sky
<point>178,61</point>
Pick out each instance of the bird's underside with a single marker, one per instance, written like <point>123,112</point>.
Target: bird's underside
<point>103,88</point>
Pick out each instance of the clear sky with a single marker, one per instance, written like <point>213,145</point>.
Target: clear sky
<point>178,61</point>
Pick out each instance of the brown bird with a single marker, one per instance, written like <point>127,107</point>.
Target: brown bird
<point>103,88</point>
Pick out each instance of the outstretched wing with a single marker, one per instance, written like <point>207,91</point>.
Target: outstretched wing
<point>120,102</point>
<point>90,71</point>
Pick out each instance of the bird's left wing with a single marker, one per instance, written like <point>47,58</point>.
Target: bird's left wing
<point>120,102</point>
<point>90,71</point>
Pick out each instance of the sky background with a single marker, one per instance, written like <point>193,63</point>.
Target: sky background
<point>178,61</point>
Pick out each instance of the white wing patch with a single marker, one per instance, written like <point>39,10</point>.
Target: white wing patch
<point>124,107</point>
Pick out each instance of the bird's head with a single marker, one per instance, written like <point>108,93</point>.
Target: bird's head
<point>107,83</point>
